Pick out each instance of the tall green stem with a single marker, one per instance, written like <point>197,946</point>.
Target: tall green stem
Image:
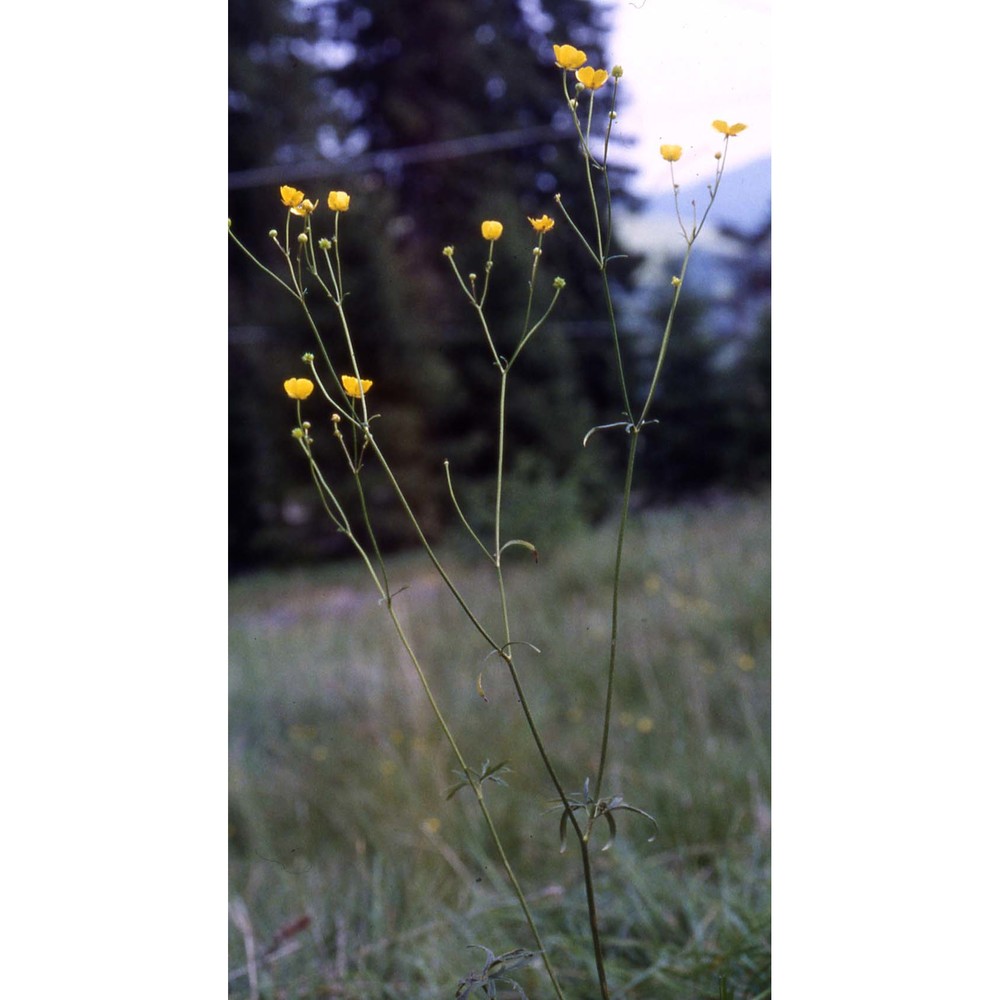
<point>615,594</point>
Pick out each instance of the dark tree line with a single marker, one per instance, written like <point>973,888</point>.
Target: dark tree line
<point>433,119</point>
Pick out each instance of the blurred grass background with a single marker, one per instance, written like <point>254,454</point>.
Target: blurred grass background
<point>338,772</point>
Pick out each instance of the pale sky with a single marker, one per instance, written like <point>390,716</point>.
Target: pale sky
<point>686,63</point>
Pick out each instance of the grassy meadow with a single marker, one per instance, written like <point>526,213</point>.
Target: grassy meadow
<point>339,774</point>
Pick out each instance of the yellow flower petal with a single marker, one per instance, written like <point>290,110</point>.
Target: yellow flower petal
<point>291,196</point>
<point>671,153</point>
<point>491,229</point>
<point>726,129</point>
<point>568,57</point>
<point>355,388</point>
<point>305,207</point>
<point>298,388</point>
<point>542,225</point>
<point>339,201</point>
<point>591,78</point>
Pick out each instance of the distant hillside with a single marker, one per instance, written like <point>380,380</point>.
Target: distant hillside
<point>744,201</point>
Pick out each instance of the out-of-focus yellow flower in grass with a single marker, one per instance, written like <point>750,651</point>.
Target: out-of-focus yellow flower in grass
<point>671,153</point>
<point>745,662</point>
<point>431,825</point>
<point>491,229</point>
<point>339,201</point>
<point>291,196</point>
<point>726,129</point>
<point>568,57</point>
<point>298,388</point>
<point>644,724</point>
<point>591,78</point>
<point>355,388</point>
<point>542,225</point>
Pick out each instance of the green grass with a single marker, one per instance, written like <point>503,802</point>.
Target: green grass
<point>338,772</point>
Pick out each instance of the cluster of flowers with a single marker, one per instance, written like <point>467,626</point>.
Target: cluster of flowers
<point>570,58</point>
<point>673,153</point>
<point>302,388</point>
<point>299,204</point>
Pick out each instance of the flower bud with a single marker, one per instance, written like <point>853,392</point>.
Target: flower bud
<point>558,282</point>
<point>273,233</point>
<point>448,251</point>
<point>491,230</point>
<point>298,388</point>
<point>339,201</point>
<point>303,238</point>
<point>617,72</point>
<point>325,244</point>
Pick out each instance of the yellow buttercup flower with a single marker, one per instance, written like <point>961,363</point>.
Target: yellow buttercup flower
<point>726,129</point>
<point>291,196</point>
<point>298,388</point>
<point>568,57</point>
<point>592,78</point>
<point>339,201</point>
<point>671,153</point>
<point>355,388</point>
<point>542,225</point>
<point>304,207</point>
<point>491,229</point>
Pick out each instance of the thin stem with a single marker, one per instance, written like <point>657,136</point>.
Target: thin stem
<point>615,593</point>
<point>461,515</point>
<point>595,930</point>
<point>382,585</point>
<point>476,786</point>
<point>263,267</point>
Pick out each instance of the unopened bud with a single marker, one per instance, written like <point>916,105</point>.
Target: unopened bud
<point>297,433</point>
<point>718,156</point>
<point>537,251</point>
<point>303,238</point>
<point>675,281</point>
<point>325,244</point>
<point>308,358</point>
<point>559,283</point>
<point>273,233</point>
<point>448,251</point>
<point>617,72</point>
